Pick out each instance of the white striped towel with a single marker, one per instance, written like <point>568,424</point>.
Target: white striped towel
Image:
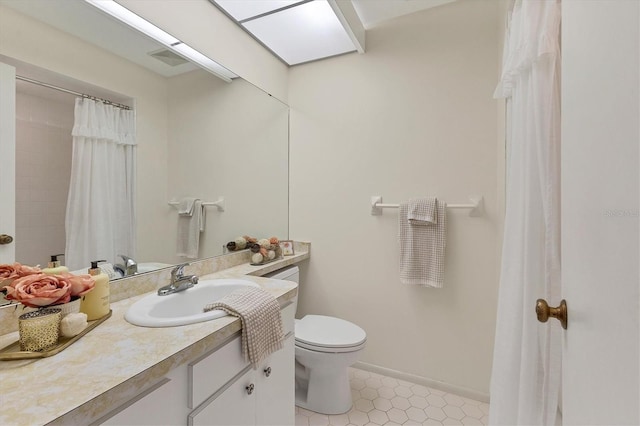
<point>422,247</point>
<point>259,311</point>
<point>190,224</point>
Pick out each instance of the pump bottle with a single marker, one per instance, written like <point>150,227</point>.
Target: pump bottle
<point>96,303</point>
<point>54,268</point>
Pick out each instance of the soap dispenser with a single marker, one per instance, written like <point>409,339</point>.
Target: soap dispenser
<point>54,268</point>
<point>96,303</point>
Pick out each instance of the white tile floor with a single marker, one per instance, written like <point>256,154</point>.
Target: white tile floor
<point>382,400</point>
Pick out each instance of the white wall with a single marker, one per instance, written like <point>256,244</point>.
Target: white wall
<point>30,41</point>
<point>414,116</point>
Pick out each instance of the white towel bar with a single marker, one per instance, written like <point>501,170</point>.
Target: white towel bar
<point>219,204</point>
<point>476,205</point>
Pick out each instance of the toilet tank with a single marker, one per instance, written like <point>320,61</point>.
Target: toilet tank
<point>290,273</point>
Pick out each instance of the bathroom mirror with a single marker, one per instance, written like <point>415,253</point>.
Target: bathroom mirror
<point>198,136</point>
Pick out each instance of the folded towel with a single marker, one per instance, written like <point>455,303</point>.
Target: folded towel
<point>422,211</point>
<point>189,229</point>
<point>422,248</point>
<point>185,206</point>
<point>259,311</point>
<point>107,268</point>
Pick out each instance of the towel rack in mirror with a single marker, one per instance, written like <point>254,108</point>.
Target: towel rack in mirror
<point>476,205</point>
<point>219,204</point>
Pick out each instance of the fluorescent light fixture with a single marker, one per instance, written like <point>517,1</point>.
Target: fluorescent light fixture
<point>303,33</point>
<point>241,10</point>
<point>131,19</point>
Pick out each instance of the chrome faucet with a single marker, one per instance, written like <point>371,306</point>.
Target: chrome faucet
<point>179,281</point>
<point>130,267</point>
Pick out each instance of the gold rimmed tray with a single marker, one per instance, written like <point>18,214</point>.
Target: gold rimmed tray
<point>13,352</point>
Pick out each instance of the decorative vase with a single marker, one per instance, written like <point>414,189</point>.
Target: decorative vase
<point>39,330</point>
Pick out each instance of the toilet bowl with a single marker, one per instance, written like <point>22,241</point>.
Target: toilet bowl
<point>324,349</point>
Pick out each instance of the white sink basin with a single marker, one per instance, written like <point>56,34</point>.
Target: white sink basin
<point>184,307</point>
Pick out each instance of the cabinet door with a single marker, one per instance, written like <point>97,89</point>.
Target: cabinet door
<point>162,404</point>
<point>233,406</point>
<point>275,387</point>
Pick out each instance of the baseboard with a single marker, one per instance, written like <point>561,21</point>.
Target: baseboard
<point>435,384</point>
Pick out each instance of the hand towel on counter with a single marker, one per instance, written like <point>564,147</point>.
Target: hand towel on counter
<point>422,243</point>
<point>259,311</point>
<point>189,228</point>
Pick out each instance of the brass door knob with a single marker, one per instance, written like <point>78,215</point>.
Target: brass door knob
<point>6,239</point>
<point>543,311</point>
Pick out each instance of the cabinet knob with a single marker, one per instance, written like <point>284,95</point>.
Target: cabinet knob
<point>6,239</point>
<point>250,389</point>
<point>267,371</point>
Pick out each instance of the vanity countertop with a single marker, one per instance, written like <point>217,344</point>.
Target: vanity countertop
<point>109,365</point>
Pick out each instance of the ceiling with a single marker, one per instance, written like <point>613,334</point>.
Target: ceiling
<point>81,20</point>
<point>373,12</point>
<point>300,31</point>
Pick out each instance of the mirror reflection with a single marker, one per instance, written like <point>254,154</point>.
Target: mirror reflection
<point>197,137</point>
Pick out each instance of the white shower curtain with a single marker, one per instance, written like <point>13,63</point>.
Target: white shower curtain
<point>101,217</point>
<point>525,380</point>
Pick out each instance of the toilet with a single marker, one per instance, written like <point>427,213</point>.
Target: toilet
<point>324,348</point>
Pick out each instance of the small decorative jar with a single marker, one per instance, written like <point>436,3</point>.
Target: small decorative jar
<point>39,330</point>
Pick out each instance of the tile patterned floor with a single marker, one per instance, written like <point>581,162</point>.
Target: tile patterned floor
<point>382,400</point>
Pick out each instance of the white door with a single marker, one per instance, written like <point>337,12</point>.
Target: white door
<point>600,119</point>
<point>7,161</point>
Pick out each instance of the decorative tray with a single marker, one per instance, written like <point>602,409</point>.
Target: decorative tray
<point>265,262</point>
<point>13,352</point>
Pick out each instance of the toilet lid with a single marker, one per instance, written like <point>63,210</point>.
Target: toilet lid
<point>328,332</point>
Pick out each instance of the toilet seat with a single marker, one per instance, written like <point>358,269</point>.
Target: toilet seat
<point>328,334</point>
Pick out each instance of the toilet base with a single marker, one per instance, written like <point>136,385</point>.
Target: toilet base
<point>325,391</point>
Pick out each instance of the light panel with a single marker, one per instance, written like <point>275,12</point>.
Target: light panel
<point>303,33</point>
<point>241,10</point>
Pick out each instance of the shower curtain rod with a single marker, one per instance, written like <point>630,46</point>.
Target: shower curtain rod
<point>71,92</point>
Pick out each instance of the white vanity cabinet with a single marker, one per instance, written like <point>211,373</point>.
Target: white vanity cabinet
<point>265,396</point>
<point>219,388</point>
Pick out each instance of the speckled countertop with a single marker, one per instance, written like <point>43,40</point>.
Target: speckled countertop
<point>109,365</point>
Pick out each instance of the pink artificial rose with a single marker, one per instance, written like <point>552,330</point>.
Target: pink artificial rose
<point>11,272</point>
<point>80,284</point>
<point>39,290</point>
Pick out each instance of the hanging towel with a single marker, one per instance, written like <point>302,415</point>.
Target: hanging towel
<point>190,225</point>
<point>422,244</point>
<point>185,206</point>
<point>259,311</point>
<point>422,211</point>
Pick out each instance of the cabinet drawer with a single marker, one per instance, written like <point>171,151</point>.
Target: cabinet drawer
<point>214,370</point>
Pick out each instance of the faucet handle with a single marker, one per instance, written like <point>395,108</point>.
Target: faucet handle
<point>177,271</point>
<point>128,261</point>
